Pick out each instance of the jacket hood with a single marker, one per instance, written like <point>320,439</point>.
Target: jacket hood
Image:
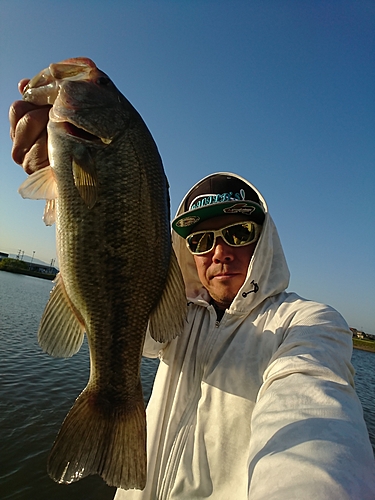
<point>267,274</point>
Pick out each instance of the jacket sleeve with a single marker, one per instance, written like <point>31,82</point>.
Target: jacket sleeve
<point>309,439</point>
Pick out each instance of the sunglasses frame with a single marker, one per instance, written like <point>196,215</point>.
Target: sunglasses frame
<point>219,232</point>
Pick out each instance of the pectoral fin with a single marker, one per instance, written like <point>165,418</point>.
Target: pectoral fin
<point>86,179</point>
<point>168,317</point>
<point>61,330</point>
<point>41,185</point>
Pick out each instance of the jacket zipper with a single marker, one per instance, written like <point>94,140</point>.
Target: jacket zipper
<point>183,430</point>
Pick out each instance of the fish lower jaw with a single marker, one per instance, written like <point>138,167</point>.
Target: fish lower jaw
<point>80,133</point>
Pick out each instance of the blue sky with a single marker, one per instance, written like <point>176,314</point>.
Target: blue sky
<point>280,92</point>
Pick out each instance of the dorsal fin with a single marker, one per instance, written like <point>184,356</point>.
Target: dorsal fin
<point>168,317</point>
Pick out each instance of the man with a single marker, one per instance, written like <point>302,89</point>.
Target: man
<point>255,399</point>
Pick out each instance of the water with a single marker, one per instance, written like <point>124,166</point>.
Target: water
<point>364,364</point>
<point>36,392</point>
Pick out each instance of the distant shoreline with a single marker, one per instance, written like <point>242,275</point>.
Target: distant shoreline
<point>35,274</point>
<point>363,345</point>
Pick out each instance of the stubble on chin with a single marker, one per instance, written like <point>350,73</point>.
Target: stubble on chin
<point>223,301</point>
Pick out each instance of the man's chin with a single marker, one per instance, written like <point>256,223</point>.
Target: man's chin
<point>223,293</point>
<point>222,301</point>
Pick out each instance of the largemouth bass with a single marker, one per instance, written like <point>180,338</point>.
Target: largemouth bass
<point>108,194</point>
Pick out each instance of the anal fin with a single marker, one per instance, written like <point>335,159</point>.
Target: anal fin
<point>60,331</point>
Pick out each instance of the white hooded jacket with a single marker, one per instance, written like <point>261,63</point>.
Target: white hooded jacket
<point>260,405</point>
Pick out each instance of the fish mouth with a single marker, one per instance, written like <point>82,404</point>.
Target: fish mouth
<point>82,134</point>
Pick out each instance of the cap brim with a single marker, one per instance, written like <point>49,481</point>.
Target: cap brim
<point>185,223</point>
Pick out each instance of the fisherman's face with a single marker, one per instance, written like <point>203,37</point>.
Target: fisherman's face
<point>223,270</point>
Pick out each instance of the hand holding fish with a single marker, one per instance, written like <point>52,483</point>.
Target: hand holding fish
<point>28,131</point>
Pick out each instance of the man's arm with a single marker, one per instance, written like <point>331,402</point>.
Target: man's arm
<point>309,439</point>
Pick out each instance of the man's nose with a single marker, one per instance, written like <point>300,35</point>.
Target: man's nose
<point>222,251</point>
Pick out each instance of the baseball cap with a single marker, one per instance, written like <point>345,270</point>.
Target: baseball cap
<point>218,194</point>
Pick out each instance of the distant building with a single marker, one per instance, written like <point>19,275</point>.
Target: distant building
<point>41,268</point>
<point>3,255</point>
<point>361,335</point>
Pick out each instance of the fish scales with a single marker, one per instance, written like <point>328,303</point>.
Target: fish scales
<point>111,207</point>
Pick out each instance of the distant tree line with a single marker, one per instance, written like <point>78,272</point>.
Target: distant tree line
<point>9,263</point>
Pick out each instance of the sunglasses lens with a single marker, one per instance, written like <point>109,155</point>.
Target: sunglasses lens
<point>235,235</point>
<point>239,234</point>
<point>201,242</point>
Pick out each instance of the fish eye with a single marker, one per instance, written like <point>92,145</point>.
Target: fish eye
<point>103,80</point>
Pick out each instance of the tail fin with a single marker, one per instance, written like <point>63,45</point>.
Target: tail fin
<point>97,439</point>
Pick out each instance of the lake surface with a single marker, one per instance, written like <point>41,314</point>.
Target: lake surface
<point>37,391</point>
